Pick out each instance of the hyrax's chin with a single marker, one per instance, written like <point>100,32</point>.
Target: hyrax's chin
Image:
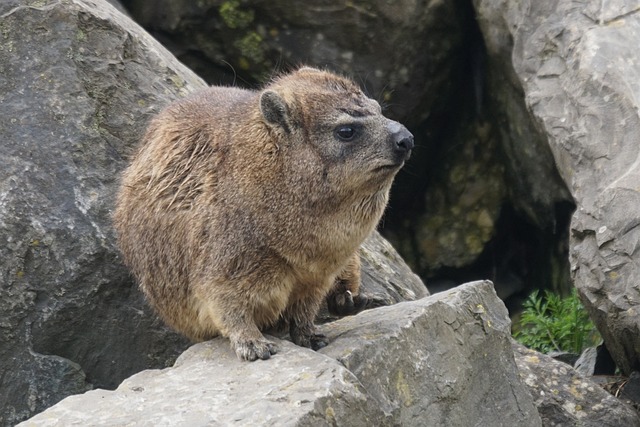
<point>380,176</point>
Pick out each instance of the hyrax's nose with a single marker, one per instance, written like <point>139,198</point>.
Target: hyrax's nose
<point>401,137</point>
<point>404,141</point>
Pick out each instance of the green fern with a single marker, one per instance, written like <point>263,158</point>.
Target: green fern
<point>552,323</point>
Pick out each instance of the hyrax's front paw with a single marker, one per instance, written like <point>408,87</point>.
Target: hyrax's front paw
<point>252,349</point>
<point>318,341</point>
<point>306,337</point>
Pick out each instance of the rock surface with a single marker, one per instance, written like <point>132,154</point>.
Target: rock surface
<point>577,64</point>
<point>398,365</point>
<point>78,82</point>
<point>464,203</point>
<point>386,279</point>
<point>209,386</point>
<point>631,391</point>
<point>442,360</point>
<point>566,398</point>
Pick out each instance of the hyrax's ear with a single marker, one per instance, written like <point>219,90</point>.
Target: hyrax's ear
<point>274,109</point>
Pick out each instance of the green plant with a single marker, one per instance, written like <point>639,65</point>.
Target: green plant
<point>551,322</point>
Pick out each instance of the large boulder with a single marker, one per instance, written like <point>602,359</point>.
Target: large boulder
<point>209,386</point>
<point>564,397</point>
<point>386,279</point>
<point>78,83</point>
<point>577,66</point>
<point>442,360</point>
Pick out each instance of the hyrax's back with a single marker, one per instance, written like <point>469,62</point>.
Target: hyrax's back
<point>242,208</point>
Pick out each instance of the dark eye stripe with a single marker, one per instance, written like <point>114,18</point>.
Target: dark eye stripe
<point>355,113</point>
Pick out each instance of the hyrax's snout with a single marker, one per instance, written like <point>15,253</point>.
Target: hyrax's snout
<point>401,139</point>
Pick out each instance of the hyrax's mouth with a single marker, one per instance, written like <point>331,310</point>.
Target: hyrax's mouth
<point>388,167</point>
<point>407,156</point>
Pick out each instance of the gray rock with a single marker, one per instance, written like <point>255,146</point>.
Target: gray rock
<point>386,278</point>
<point>118,5</point>
<point>565,357</point>
<point>442,360</point>
<point>78,82</point>
<point>577,64</point>
<point>586,363</point>
<point>209,386</point>
<point>631,391</point>
<point>538,203</point>
<point>566,398</point>
<point>536,186</point>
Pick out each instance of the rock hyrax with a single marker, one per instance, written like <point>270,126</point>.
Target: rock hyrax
<point>242,208</point>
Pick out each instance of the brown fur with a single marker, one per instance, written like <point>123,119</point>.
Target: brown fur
<point>242,208</point>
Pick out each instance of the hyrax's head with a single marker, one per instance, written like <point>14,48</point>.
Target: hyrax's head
<point>359,149</point>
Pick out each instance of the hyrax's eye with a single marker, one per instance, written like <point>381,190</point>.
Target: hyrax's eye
<point>346,133</point>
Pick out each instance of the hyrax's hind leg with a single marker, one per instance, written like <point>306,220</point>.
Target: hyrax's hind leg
<point>301,314</point>
<point>344,298</point>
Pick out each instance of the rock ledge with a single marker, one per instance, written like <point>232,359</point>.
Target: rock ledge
<point>440,360</point>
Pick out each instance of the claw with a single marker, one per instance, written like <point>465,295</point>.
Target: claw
<point>318,341</point>
<point>251,350</point>
<point>345,303</point>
